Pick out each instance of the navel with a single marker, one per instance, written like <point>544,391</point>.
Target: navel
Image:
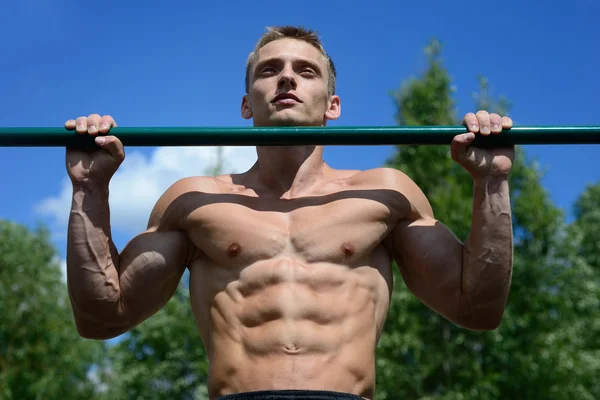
<point>292,348</point>
<point>348,249</point>
<point>234,250</point>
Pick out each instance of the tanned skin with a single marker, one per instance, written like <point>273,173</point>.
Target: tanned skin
<point>290,262</point>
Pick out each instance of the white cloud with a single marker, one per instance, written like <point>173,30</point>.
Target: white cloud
<point>141,180</point>
<point>63,267</point>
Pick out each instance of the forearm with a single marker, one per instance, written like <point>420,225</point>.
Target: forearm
<point>488,252</point>
<point>92,258</point>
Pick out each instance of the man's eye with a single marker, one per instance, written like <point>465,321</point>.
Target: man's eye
<point>267,70</point>
<point>308,71</point>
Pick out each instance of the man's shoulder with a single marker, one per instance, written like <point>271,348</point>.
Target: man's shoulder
<point>397,183</point>
<point>201,184</point>
<point>383,178</point>
<point>176,199</point>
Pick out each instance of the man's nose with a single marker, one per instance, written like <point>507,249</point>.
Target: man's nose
<point>287,80</point>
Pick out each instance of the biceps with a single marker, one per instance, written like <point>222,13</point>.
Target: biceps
<point>430,260</point>
<point>151,266</point>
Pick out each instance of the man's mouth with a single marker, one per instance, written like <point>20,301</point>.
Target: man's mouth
<point>286,98</point>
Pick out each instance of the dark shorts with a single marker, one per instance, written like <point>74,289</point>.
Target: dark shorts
<point>291,395</point>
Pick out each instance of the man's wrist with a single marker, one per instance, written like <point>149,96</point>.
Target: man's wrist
<point>490,181</point>
<point>490,178</point>
<point>90,187</point>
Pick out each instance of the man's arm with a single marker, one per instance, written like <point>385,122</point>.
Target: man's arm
<point>110,292</point>
<point>468,284</point>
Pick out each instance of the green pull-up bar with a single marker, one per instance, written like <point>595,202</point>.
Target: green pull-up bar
<point>288,136</point>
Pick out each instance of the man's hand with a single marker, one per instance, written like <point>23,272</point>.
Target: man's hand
<point>483,162</point>
<point>96,166</point>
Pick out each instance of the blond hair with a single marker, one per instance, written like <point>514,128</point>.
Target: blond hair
<point>299,33</point>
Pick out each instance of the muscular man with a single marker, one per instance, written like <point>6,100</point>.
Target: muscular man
<point>290,262</point>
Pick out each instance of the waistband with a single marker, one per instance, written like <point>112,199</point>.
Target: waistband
<point>291,395</point>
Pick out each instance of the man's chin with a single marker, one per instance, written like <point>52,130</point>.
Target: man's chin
<point>290,121</point>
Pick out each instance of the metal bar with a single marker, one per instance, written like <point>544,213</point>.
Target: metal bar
<point>288,136</point>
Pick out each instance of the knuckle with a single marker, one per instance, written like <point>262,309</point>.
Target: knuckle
<point>507,122</point>
<point>483,117</point>
<point>81,124</point>
<point>106,120</point>
<point>470,119</point>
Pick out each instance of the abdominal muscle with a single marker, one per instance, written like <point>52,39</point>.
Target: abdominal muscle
<point>283,324</point>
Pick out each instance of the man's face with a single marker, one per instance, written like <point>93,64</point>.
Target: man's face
<point>288,86</point>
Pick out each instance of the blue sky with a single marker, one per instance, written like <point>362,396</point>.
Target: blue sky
<point>181,63</point>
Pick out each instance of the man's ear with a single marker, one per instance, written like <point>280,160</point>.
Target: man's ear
<point>335,108</point>
<point>246,108</point>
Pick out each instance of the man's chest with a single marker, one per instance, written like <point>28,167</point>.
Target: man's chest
<point>342,231</point>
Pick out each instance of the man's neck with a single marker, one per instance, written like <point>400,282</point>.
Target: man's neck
<point>288,171</point>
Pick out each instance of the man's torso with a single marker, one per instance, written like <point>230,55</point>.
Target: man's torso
<point>292,293</point>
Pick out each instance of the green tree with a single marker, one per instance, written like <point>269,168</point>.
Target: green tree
<point>41,354</point>
<point>536,353</point>
<point>587,222</point>
<point>584,238</point>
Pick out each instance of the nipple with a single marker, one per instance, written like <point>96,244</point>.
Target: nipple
<point>234,250</point>
<point>348,249</point>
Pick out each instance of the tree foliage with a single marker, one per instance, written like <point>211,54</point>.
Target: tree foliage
<point>41,354</point>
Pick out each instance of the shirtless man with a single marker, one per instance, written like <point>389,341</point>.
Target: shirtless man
<point>290,262</point>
